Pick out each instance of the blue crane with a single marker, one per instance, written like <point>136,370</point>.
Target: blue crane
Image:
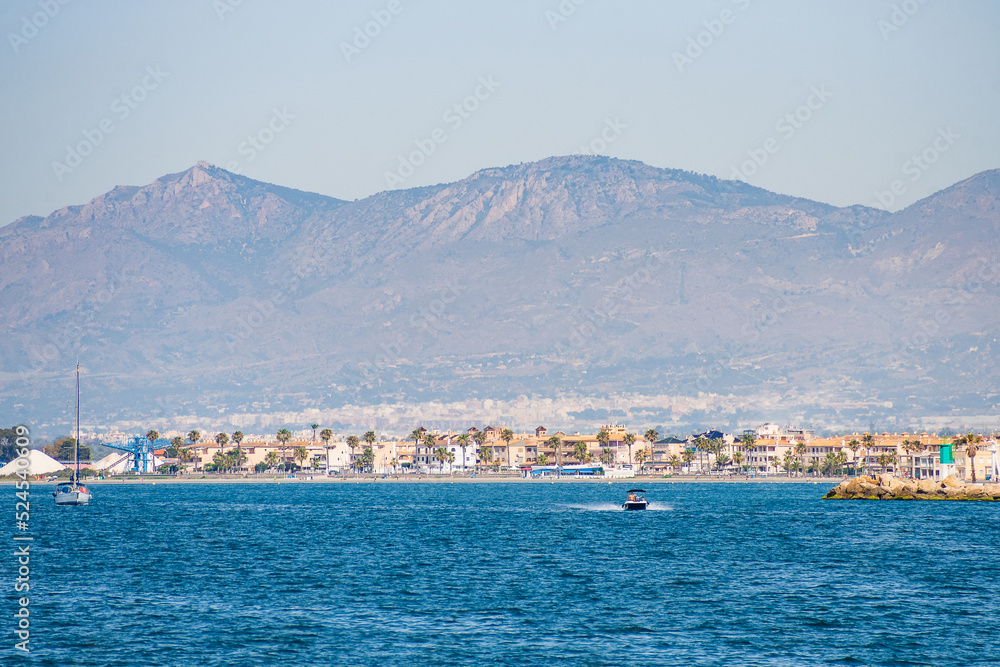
<point>140,450</point>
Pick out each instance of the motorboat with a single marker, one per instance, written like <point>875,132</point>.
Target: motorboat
<point>635,500</point>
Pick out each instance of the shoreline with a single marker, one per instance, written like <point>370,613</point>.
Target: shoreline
<point>444,479</point>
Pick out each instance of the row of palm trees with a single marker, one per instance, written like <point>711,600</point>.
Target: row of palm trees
<point>863,450</point>
<point>232,460</point>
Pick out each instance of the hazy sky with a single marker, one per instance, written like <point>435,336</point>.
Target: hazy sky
<point>833,99</point>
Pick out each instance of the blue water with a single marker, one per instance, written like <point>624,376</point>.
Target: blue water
<point>519,574</point>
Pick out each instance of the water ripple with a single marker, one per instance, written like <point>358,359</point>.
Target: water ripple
<point>509,574</point>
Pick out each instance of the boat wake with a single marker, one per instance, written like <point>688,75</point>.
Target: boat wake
<point>614,507</point>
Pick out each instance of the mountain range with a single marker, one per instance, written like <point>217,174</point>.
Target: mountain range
<point>653,296</point>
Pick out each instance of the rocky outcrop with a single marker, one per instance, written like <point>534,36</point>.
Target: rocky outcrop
<point>887,487</point>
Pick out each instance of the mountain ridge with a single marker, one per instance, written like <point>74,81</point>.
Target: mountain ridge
<point>576,270</point>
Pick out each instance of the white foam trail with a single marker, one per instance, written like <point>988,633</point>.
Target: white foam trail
<point>614,507</point>
<point>595,507</point>
<point>659,507</point>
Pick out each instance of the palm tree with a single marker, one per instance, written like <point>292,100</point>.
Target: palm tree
<point>369,453</point>
<point>674,462</point>
<point>185,455</point>
<point>314,427</point>
<point>893,459</point>
<point>640,456</point>
<point>218,463</point>
<point>688,457</point>
<point>542,459</point>
<point>603,439</point>
<point>507,435</point>
<point>368,459</point>
<point>789,462</point>
<point>800,451</point>
<point>556,444</point>
<point>441,455</point>
<point>479,438</point>
<point>580,451</point>
<point>485,453</point>
<point>749,444</point>
<point>394,462</point>
<point>284,435</point>
<point>194,437</point>
<point>829,464</point>
<point>854,446</point>
<point>912,447</point>
<point>841,460</point>
<point>152,434</point>
<point>352,442</point>
<point>271,460</point>
<point>177,444</point>
<point>629,441</point>
<point>868,441</point>
<point>463,441</point>
<point>971,443</point>
<point>237,457</point>
<point>429,442</point>
<point>238,438</point>
<point>701,445</point>
<point>325,436</point>
<point>300,454</point>
<point>738,460</point>
<point>722,460</point>
<point>651,437</point>
<point>416,437</point>
<point>718,446</point>
<point>221,439</point>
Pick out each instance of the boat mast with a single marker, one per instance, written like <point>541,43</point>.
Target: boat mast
<point>77,479</point>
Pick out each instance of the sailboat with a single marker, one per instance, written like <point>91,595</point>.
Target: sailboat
<point>73,492</point>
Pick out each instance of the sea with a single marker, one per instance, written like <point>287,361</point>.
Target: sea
<point>536,573</point>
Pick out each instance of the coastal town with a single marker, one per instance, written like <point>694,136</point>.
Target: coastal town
<point>613,451</point>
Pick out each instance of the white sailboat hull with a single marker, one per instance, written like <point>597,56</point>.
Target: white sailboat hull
<point>74,497</point>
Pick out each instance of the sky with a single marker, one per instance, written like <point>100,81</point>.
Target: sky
<point>849,102</point>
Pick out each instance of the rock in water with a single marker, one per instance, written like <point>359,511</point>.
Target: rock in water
<point>952,481</point>
<point>992,490</point>
<point>928,486</point>
<point>888,487</point>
